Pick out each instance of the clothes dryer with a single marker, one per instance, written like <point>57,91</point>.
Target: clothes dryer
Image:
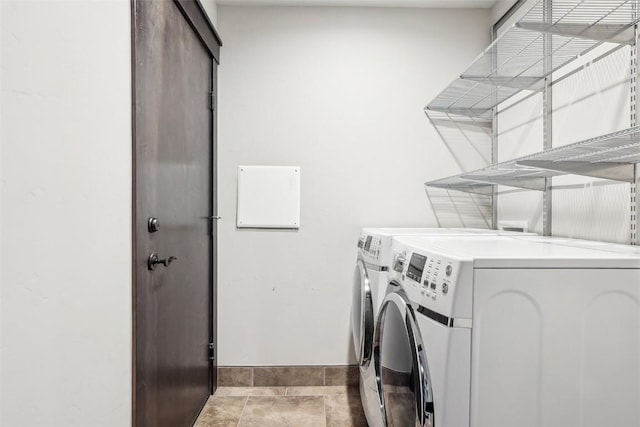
<point>371,277</point>
<point>510,332</point>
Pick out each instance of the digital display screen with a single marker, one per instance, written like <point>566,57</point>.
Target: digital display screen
<point>416,266</point>
<point>367,244</point>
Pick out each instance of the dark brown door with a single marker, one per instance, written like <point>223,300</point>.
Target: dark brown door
<point>174,78</point>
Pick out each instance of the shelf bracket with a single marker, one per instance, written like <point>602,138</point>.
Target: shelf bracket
<point>515,82</point>
<point>537,184</point>
<point>612,33</point>
<point>606,170</point>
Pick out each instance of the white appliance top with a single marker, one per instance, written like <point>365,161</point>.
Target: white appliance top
<point>589,244</point>
<point>375,243</point>
<point>417,231</point>
<point>521,253</point>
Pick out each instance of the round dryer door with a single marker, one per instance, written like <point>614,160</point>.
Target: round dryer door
<point>362,321</point>
<point>401,366</point>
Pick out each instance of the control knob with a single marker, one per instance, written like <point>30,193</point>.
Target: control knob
<point>448,270</point>
<point>398,262</point>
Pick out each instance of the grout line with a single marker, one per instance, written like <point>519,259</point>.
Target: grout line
<point>324,405</point>
<point>242,412</point>
<point>253,381</point>
<point>324,376</point>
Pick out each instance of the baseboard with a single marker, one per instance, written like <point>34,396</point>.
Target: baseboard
<point>287,376</point>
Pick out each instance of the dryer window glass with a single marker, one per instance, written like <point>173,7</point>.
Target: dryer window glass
<point>398,371</point>
<point>416,266</point>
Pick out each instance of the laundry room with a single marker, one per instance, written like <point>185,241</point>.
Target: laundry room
<point>319,213</point>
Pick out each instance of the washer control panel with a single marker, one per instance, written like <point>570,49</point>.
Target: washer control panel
<point>370,245</point>
<point>430,281</point>
<point>375,249</point>
<point>438,279</point>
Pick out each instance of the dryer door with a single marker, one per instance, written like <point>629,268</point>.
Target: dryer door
<point>401,365</point>
<point>362,321</point>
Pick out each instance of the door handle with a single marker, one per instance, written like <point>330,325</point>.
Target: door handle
<point>154,260</point>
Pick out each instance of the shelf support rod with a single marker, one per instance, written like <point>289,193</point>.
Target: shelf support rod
<point>493,150</point>
<point>547,118</point>
<point>633,234</point>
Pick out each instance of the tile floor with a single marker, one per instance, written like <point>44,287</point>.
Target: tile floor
<point>321,406</point>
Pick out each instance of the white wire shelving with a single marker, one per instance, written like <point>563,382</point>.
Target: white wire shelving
<point>611,156</point>
<point>540,43</point>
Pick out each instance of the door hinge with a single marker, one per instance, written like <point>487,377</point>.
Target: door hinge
<point>212,224</point>
<point>212,101</point>
<point>211,351</point>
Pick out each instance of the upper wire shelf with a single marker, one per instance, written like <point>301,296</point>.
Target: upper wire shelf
<point>533,48</point>
<point>610,156</point>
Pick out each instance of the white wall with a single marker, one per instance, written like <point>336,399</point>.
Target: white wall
<point>339,92</point>
<point>592,100</point>
<point>211,7</point>
<point>66,213</point>
<point>500,8</point>
<point>588,103</point>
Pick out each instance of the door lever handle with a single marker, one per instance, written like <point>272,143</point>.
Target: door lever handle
<point>154,260</point>
<point>216,217</point>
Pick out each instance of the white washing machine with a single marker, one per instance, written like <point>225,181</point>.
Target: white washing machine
<point>370,281</point>
<point>510,333</point>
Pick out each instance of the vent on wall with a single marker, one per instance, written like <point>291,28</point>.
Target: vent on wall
<point>520,226</point>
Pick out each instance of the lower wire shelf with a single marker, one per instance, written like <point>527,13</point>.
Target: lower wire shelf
<point>612,156</point>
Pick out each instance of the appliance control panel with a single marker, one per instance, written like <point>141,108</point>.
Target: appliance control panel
<point>431,281</point>
<point>375,249</point>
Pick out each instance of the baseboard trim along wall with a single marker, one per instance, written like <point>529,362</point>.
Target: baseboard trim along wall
<point>287,376</point>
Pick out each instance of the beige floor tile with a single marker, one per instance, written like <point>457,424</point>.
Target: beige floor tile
<point>283,411</point>
<point>344,410</point>
<point>250,391</point>
<point>320,390</point>
<point>221,411</point>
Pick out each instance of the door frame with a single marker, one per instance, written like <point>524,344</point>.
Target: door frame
<point>197,18</point>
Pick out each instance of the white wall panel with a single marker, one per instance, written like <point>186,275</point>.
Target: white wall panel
<point>339,92</point>
<point>211,7</point>
<point>66,213</point>
<point>520,132</point>
<point>592,102</point>
<point>590,98</point>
